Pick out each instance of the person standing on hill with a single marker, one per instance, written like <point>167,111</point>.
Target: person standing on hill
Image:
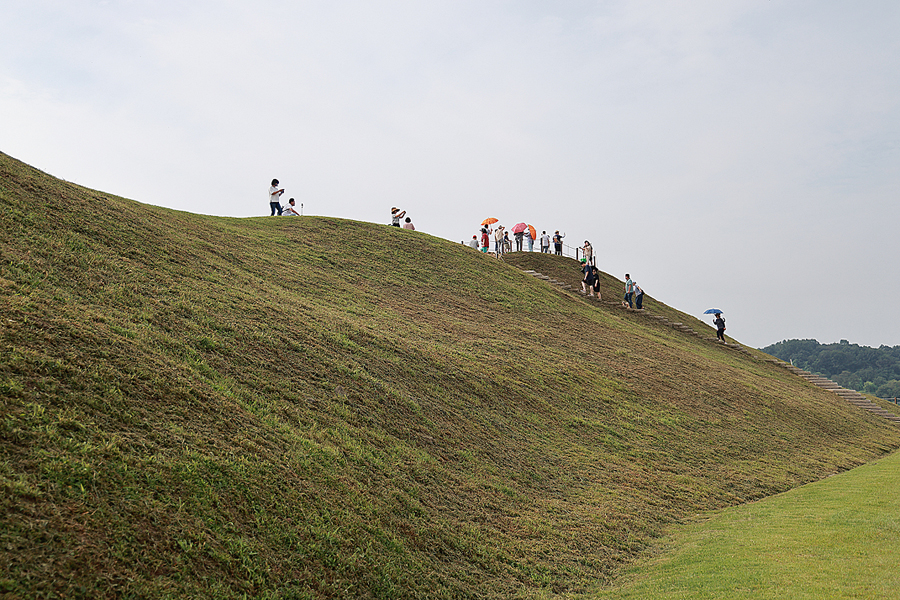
<point>719,322</point>
<point>530,240</point>
<point>396,215</point>
<point>473,243</point>
<point>588,251</point>
<point>629,292</point>
<point>638,297</point>
<point>409,225</point>
<point>545,242</point>
<point>519,235</point>
<point>557,242</point>
<point>275,198</point>
<point>498,241</point>
<point>485,239</point>
<point>596,282</point>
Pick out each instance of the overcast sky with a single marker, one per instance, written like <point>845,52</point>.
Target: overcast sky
<point>742,155</point>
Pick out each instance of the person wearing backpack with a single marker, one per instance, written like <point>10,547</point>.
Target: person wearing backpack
<point>719,322</point>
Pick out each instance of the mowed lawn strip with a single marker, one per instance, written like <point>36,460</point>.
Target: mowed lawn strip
<point>836,538</point>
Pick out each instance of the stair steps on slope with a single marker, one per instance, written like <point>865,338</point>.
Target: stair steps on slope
<point>618,304</point>
<point>851,396</point>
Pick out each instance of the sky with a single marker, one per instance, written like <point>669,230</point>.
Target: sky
<point>740,155</point>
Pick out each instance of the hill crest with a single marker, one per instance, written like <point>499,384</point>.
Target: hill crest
<point>322,408</point>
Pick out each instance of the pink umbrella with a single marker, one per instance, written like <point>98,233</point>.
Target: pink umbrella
<point>519,227</point>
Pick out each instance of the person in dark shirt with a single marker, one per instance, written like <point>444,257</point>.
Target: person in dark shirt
<point>719,322</point>
<point>587,282</point>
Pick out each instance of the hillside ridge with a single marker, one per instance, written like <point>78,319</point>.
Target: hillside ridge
<point>199,406</point>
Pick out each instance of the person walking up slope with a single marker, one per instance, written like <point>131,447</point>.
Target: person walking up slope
<point>629,292</point>
<point>638,297</point>
<point>587,282</point>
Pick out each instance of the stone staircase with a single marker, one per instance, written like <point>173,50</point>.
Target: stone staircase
<point>658,318</point>
<point>851,396</point>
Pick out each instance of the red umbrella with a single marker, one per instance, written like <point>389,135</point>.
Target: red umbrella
<point>519,227</point>
<point>532,231</point>
<point>489,221</point>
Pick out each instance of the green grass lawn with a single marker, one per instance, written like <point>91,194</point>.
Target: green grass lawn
<point>833,539</point>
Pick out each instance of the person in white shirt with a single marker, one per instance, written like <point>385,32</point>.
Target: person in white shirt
<point>588,251</point>
<point>291,209</point>
<point>396,215</point>
<point>473,243</point>
<point>275,198</point>
<point>545,242</point>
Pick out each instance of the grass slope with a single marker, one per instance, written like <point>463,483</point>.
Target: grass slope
<point>835,538</point>
<point>197,406</point>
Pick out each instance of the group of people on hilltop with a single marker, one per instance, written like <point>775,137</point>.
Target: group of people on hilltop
<point>503,243</point>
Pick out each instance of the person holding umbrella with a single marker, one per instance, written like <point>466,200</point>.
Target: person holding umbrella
<point>719,322</point>
<point>519,230</point>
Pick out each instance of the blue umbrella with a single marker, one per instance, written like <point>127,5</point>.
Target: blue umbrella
<point>712,311</point>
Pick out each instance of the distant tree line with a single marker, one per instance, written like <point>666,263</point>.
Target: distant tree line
<point>862,368</point>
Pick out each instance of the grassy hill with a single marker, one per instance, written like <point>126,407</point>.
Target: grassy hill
<point>198,406</point>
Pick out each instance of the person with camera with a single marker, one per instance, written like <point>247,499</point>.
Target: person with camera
<point>275,198</point>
